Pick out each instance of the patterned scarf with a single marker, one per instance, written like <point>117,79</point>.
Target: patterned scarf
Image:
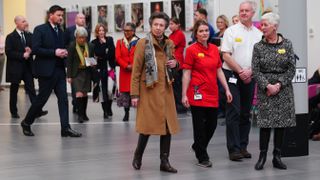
<point>151,63</point>
<point>82,54</point>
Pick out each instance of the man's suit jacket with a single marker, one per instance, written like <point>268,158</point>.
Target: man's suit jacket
<point>16,63</point>
<point>44,45</point>
<point>69,35</point>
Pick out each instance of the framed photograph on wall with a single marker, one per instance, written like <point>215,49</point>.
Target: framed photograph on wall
<point>178,11</point>
<point>71,16</point>
<point>156,7</point>
<point>87,11</point>
<point>137,16</point>
<point>102,12</point>
<point>119,17</point>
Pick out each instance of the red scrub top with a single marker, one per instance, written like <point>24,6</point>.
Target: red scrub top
<point>203,63</point>
<point>179,41</point>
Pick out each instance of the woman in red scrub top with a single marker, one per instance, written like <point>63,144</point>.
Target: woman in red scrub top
<point>201,69</point>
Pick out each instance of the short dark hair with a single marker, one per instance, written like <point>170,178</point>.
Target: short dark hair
<point>55,8</point>
<point>175,20</point>
<point>202,11</point>
<point>197,25</point>
<point>132,26</point>
<point>160,15</point>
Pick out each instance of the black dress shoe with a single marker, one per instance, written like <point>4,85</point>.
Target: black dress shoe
<point>26,129</point>
<point>70,133</point>
<point>42,113</point>
<point>16,116</point>
<point>235,156</point>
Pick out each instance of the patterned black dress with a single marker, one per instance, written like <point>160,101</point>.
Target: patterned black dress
<point>272,63</point>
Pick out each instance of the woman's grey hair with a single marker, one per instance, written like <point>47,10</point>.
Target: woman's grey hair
<point>253,4</point>
<point>81,31</point>
<point>131,25</point>
<point>272,18</point>
<point>159,15</point>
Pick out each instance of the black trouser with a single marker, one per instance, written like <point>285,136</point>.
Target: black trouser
<point>265,137</point>
<point>204,120</point>
<point>57,83</point>
<point>238,113</point>
<point>177,90</point>
<point>29,87</point>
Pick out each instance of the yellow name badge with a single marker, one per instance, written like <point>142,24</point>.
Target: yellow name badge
<point>281,51</point>
<point>201,55</point>
<point>238,39</point>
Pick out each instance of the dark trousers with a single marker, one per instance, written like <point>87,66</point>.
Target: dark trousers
<point>104,85</point>
<point>238,113</point>
<point>204,120</point>
<point>14,87</point>
<point>264,138</point>
<point>177,90</point>
<point>57,83</point>
<point>74,98</point>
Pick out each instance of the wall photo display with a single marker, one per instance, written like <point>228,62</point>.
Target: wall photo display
<point>102,12</point>
<point>137,16</point>
<point>178,11</point>
<point>156,7</point>
<point>87,11</point>
<point>119,17</point>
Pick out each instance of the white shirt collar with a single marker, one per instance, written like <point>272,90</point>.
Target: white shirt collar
<point>19,32</point>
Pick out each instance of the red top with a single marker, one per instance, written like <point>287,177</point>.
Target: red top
<point>203,63</point>
<point>179,41</point>
<point>124,57</point>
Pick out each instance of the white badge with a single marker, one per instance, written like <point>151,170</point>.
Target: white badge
<point>233,80</point>
<point>197,97</point>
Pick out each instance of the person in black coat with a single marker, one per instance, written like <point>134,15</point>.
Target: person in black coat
<point>19,64</point>
<point>49,47</point>
<point>80,21</point>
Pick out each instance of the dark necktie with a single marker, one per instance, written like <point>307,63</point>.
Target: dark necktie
<point>56,30</point>
<point>23,39</point>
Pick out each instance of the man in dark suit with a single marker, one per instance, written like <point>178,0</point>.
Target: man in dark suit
<point>80,21</point>
<point>19,60</point>
<point>49,47</point>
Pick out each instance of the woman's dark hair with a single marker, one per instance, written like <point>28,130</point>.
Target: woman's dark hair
<point>175,20</point>
<point>197,25</point>
<point>131,25</point>
<point>159,15</point>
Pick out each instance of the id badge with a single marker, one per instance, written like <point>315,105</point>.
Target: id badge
<point>233,80</point>
<point>197,96</point>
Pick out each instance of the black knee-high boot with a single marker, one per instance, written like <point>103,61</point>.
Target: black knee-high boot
<point>108,106</point>
<point>85,105</point>
<point>80,104</point>
<point>278,138</point>
<point>142,143</point>
<point>263,144</point>
<point>126,115</point>
<point>165,141</point>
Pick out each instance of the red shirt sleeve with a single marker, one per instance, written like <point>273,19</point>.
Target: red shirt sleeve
<point>189,59</point>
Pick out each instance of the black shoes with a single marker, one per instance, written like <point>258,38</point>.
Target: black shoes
<point>245,153</point>
<point>136,163</point>
<point>205,164</point>
<point>235,156</point>
<point>26,129</point>
<point>15,116</point>
<point>42,113</point>
<point>165,165</point>
<point>262,160</point>
<point>276,161</point>
<point>70,133</point>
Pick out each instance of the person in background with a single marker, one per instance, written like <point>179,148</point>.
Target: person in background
<point>19,64</point>
<point>78,71</point>
<point>179,40</point>
<point>235,19</point>
<point>314,108</point>
<point>152,91</point>
<point>202,14</point>
<point>202,68</point>
<point>2,57</point>
<point>80,21</point>
<point>125,48</point>
<point>237,47</point>
<point>104,51</point>
<point>273,68</point>
<point>222,24</point>
<point>49,48</point>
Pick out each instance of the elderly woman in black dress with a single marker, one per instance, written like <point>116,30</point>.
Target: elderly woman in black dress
<point>273,67</point>
<point>78,72</point>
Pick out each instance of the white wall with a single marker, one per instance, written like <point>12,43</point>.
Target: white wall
<point>313,25</point>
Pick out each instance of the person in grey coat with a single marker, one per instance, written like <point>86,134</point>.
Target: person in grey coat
<point>273,65</point>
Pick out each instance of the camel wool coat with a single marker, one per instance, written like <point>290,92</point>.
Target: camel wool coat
<point>156,106</point>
